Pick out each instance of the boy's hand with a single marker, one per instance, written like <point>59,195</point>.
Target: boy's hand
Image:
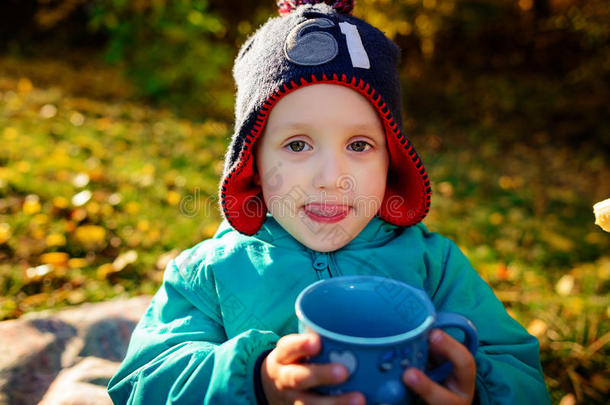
<point>287,381</point>
<point>459,386</point>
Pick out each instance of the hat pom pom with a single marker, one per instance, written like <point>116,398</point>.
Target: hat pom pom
<point>341,6</point>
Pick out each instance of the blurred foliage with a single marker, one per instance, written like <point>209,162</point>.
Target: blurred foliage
<point>108,170</point>
<point>511,67</point>
<point>94,194</point>
<point>173,51</point>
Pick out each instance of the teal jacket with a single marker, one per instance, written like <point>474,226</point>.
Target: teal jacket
<point>230,298</point>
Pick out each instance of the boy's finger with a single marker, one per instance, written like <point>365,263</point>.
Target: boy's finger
<point>464,367</point>
<point>428,390</point>
<point>306,376</point>
<point>291,348</point>
<point>352,398</point>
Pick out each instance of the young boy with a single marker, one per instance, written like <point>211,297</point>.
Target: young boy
<point>319,182</point>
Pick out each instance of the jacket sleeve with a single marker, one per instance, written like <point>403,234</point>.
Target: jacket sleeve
<point>179,353</point>
<point>508,361</point>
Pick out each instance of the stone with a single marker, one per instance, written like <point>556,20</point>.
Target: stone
<point>41,354</point>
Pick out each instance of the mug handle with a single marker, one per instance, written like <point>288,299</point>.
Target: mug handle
<point>452,320</point>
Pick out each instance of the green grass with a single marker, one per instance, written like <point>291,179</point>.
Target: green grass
<point>87,177</point>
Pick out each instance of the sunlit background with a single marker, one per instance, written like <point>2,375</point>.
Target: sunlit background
<point>115,114</point>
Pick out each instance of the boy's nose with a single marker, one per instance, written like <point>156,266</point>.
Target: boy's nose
<point>329,172</point>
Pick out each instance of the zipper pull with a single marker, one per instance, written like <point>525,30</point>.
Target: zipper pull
<point>320,263</point>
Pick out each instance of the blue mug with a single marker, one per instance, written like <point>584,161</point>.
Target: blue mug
<point>376,327</point>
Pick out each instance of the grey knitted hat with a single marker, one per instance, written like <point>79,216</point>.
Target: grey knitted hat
<point>309,44</point>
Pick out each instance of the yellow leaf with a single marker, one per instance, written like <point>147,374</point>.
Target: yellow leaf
<point>93,208</point>
<point>24,85</point>
<point>55,258</point>
<point>31,205</point>
<point>77,263</point>
<point>445,188</point>
<point>60,202</point>
<point>5,232</point>
<point>153,235</point>
<point>69,226</point>
<point>565,285</point>
<point>537,327</point>
<point>173,198</point>
<point>104,270</point>
<point>124,260</point>
<point>505,182</point>
<point>90,235</point>
<point>35,300</point>
<point>602,214</point>
<point>132,207</point>
<point>496,218</point>
<point>55,239</point>
<point>107,210</point>
<point>37,233</point>
<point>40,219</point>
<point>78,214</point>
<point>143,225</point>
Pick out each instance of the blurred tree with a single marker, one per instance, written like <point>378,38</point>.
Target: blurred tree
<point>515,68</point>
<point>173,50</point>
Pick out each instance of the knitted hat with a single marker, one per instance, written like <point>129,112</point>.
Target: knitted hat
<point>309,44</point>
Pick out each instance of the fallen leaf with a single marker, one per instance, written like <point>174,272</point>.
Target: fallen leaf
<point>537,328</point>
<point>124,260</point>
<point>36,273</point>
<point>565,285</point>
<point>569,399</point>
<point>31,205</point>
<point>90,236</point>
<point>55,258</point>
<point>55,239</point>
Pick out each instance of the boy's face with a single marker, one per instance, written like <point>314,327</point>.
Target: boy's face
<point>322,164</point>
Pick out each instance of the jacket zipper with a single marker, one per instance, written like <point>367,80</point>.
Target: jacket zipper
<point>322,264</point>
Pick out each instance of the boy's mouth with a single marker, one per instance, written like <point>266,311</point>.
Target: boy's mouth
<point>327,213</point>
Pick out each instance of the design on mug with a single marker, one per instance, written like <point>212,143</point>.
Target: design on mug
<point>385,361</point>
<point>405,357</point>
<point>347,358</point>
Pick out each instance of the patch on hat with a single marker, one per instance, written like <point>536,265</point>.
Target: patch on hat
<point>313,48</point>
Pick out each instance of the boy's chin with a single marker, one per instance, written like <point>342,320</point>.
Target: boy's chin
<point>323,237</point>
<point>324,246</point>
<point>327,238</point>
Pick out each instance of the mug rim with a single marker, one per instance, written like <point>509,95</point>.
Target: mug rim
<point>367,341</point>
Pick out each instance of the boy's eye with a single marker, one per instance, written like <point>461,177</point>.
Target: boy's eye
<point>297,146</point>
<point>359,146</point>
